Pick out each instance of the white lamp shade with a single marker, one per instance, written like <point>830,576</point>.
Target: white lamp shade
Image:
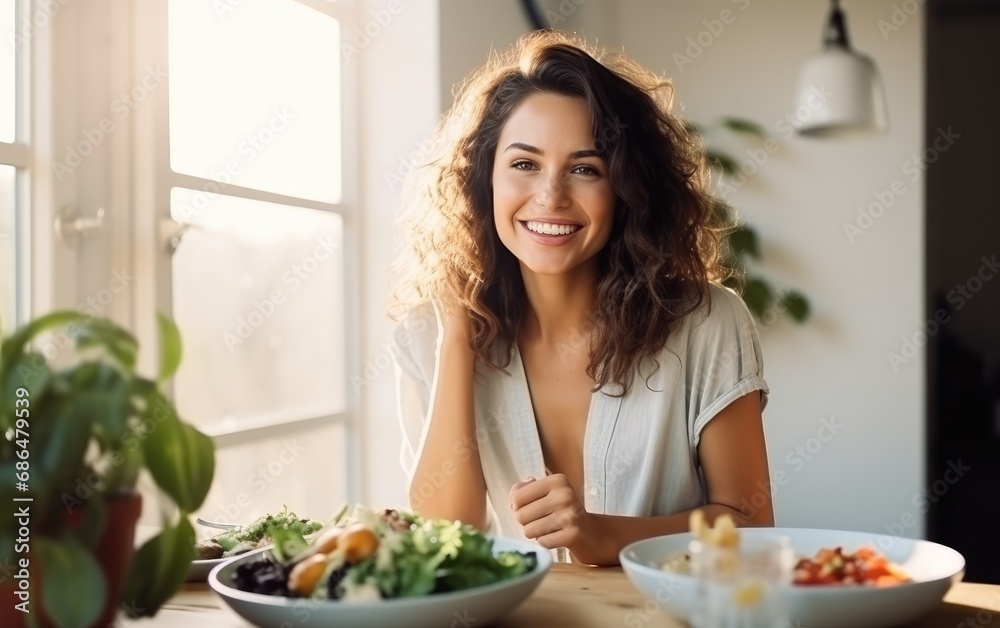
<point>839,92</point>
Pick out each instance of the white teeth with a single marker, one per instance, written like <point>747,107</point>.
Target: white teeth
<point>548,228</point>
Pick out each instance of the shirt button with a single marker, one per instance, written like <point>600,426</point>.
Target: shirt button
<point>593,491</point>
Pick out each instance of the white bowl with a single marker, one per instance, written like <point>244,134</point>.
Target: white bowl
<point>199,569</point>
<point>482,605</point>
<point>932,567</point>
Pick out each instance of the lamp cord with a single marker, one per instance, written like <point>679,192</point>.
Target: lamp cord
<point>836,28</point>
<point>534,15</point>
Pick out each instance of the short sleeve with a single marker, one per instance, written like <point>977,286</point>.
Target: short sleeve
<point>414,346</point>
<point>724,360</point>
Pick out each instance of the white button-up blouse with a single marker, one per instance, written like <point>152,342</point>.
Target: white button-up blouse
<point>640,450</point>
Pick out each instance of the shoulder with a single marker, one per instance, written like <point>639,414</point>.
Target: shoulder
<point>721,331</point>
<point>722,309</point>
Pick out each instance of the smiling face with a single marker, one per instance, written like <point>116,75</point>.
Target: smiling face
<point>552,200</point>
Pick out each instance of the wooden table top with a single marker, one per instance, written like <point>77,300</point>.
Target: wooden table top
<point>580,596</point>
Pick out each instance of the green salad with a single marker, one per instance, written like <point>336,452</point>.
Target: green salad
<point>254,535</point>
<point>383,555</point>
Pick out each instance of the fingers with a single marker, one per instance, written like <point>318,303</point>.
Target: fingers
<point>516,488</point>
<point>531,489</point>
<point>563,520</point>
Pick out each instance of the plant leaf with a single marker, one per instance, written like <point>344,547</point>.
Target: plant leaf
<point>111,406</point>
<point>743,241</point>
<point>758,296</point>
<point>171,349</point>
<point>796,305</point>
<point>108,336</point>
<point>158,569</point>
<point>742,125</point>
<point>14,346</point>
<point>723,162</point>
<point>124,470</point>
<point>60,456</point>
<point>73,591</point>
<point>28,370</point>
<point>180,458</point>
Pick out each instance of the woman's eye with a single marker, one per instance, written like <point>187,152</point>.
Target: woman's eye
<point>587,170</point>
<point>522,165</point>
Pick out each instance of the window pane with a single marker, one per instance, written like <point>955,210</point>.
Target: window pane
<point>258,296</point>
<point>255,96</point>
<point>262,476</point>
<point>10,42</point>
<point>8,252</point>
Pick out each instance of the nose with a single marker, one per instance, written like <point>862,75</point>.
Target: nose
<point>552,192</point>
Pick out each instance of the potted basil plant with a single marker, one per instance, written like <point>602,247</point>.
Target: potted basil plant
<point>79,425</point>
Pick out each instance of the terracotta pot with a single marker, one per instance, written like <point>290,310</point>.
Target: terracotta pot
<point>113,553</point>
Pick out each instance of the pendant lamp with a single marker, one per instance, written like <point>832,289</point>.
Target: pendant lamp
<point>839,89</point>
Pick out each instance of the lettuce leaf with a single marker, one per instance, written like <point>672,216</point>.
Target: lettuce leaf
<point>438,556</point>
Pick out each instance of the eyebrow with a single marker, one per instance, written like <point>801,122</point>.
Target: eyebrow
<point>587,152</point>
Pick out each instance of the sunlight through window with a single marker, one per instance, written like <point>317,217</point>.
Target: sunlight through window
<point>255,97</point>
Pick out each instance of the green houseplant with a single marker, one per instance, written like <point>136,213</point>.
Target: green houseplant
<point>742,242</point>
<point>76,437</point>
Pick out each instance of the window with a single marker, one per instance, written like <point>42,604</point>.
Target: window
<point>13,168</point>
<point>248,122</point>
<point>252,174</point>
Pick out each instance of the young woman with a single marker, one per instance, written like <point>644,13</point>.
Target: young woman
<point>569,370</point>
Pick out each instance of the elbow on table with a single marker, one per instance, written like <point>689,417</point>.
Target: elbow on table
<point>753,517</point>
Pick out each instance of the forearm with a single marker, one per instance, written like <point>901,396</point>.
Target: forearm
<point>448,482</point>
<point>617,531</point>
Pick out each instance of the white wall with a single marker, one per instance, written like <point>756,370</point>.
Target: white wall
<point>398,72</point>
<point>865,294</point>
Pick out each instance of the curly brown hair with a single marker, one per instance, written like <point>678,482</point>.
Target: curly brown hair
<point>665,246</point>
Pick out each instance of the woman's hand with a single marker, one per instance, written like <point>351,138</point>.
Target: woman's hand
<point>551,513</point>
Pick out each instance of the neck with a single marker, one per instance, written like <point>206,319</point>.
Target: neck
<point>558,307</point>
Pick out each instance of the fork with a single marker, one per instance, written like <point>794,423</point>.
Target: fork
<point>215,524</point>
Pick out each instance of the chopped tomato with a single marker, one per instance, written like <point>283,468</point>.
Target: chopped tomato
<point>864,566</point>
